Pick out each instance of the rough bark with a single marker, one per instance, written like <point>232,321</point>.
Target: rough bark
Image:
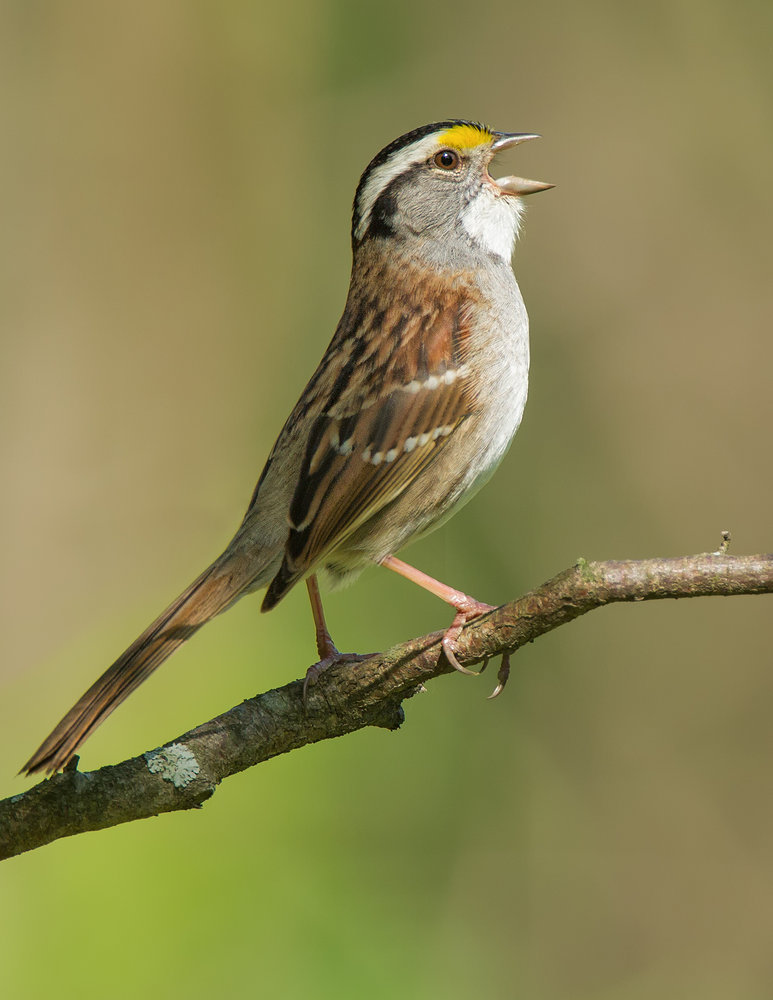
<point>186,772</point>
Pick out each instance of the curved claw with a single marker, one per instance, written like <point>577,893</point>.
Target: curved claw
<point>464,613</point>
<point>447,645</point>
<point>502,675</point>
<point>312,674</point>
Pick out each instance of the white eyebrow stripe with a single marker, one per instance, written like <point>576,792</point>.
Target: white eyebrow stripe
<point>384,174</point>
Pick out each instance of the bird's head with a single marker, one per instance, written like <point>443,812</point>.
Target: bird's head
<point>433,184</point>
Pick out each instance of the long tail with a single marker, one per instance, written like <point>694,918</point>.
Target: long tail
<point>217,587</point>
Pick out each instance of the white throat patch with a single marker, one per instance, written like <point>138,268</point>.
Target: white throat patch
<point>492,221</point>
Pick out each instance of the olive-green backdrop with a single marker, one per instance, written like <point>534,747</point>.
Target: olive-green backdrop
<point>176,185</point>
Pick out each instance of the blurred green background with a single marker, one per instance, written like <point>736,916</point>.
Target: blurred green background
<point>176,184</point>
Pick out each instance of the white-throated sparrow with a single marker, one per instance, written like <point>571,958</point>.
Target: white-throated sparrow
<point>409,412</point>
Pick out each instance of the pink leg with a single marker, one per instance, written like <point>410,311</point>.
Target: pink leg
<point>328,654</point>
<point>466,607</point>
<point>325,645</point>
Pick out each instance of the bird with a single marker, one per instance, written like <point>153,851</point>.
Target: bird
<point>407,415</point>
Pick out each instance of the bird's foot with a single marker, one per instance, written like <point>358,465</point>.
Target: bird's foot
<point>469,610</point>
<point>466,610</point>
<point>328,657</point>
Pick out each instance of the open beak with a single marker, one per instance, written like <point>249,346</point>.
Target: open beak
<point>516,185</point>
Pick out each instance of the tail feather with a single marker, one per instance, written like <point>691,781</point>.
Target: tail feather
<point>283,581</point>
<point>217,587</point>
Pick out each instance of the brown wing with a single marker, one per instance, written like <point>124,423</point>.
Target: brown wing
<point>387,417</point>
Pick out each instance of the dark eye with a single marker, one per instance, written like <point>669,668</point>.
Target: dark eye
<point>446,159</point>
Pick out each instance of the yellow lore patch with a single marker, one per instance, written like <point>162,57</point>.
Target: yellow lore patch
<point>465,136</point>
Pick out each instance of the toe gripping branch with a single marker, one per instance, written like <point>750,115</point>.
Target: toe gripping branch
<point>448,645</point>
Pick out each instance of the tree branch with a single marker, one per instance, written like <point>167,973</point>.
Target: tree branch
<point>185,773</point>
